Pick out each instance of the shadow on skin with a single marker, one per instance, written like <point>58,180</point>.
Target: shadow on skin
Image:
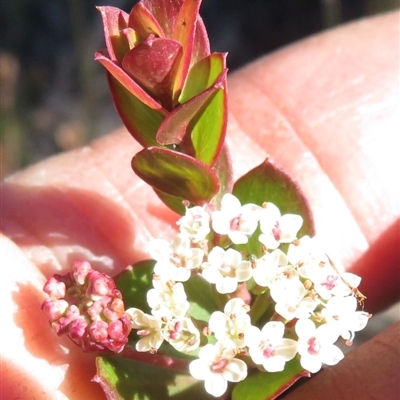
<point>43,343</point>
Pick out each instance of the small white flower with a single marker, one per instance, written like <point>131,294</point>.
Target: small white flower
<point>235,220</point>
<point>327,282</point>
<point>277,229</point>
<point>167,299</point>
<point>292,299</point>
<point>149,328</point>
<point>315,345</point>
<point>176,260</point>
<point>232,323</point>
<point>341,314</point>
<point>306,250</point>
<point>217,366</point>
<point>270,267</point>
<point>182,335</point>
<point>225,269</point>
<point>195,223</point>
<point>268,347</point>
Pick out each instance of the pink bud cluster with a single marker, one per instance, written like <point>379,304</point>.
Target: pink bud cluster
<point>86,305</point>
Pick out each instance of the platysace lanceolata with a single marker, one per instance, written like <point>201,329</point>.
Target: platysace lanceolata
<point>243,290</point>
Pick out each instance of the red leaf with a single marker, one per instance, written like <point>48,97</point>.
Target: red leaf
<point>144,23</point>
<point>114,20</point>
<point>128,83</point>
<point>165,12</point>
<point>154,64</point>
<point>184,33</point>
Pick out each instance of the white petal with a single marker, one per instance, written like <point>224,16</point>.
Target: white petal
<point>231,204</point>
<point>217,323</point>
<point>273,331</point>
<point>226,285</point>
<point>208,353</point>
<point>268,241</point>
<point>274,364</point>
<point>305,328</point>
<point>232,257</point>
<point>216,385</point>
<point>359,321</point>
<point>289,225</point>
<point>238,237</point>
<point>199,369</point>
<point>235,370</point>
<point>244,271</point>
<point>352,279</point>
<point>327,334</point>
<point>287,349</point>
<point>216,256</point>
<point>331,355</point>
<point>220,223</point>
<point>310,363</point>
<point>211,275</point>
<point>235,306</point>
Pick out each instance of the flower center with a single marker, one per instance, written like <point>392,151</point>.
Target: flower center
<point>219,366</point>
<point>276,231</point>
<point>268,350</point>
<point>330,282</point>
<point>313,346</point>
<point>227,270</point>
<point>235,223</point>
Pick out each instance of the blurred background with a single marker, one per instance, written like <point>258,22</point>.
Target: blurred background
<point>54,97</point>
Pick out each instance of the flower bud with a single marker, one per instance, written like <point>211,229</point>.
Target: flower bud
<point>86,305</point>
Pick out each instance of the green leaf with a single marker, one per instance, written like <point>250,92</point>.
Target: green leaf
<point>141,120</point>
<point>268,183</point>
<point>202,75</point>
<point>201,121</point>
<point>269,385</point>
<point>200,298</point>
<point>132,380</point>
<point>176,174</point>
<point>176,124</point>
<point>134,282</point>
<point>209,129</point>
<point>173,202</point>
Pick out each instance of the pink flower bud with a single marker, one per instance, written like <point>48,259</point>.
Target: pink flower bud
<point>99,285</point>
<point>54,288</point>
<point>54,308</point>
<point>86,305</point>
<point>80,270</point>
<point>98,330</point>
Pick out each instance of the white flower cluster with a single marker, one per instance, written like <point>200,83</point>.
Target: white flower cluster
<point>313,303</point>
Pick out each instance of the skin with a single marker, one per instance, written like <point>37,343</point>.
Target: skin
<point>325,110</point>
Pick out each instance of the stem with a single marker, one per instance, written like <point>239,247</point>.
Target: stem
<point>160,360</point>
<point>223,169</point>
<point>260,305</point>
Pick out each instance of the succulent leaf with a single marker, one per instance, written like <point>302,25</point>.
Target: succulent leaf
<point>176,174</point>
